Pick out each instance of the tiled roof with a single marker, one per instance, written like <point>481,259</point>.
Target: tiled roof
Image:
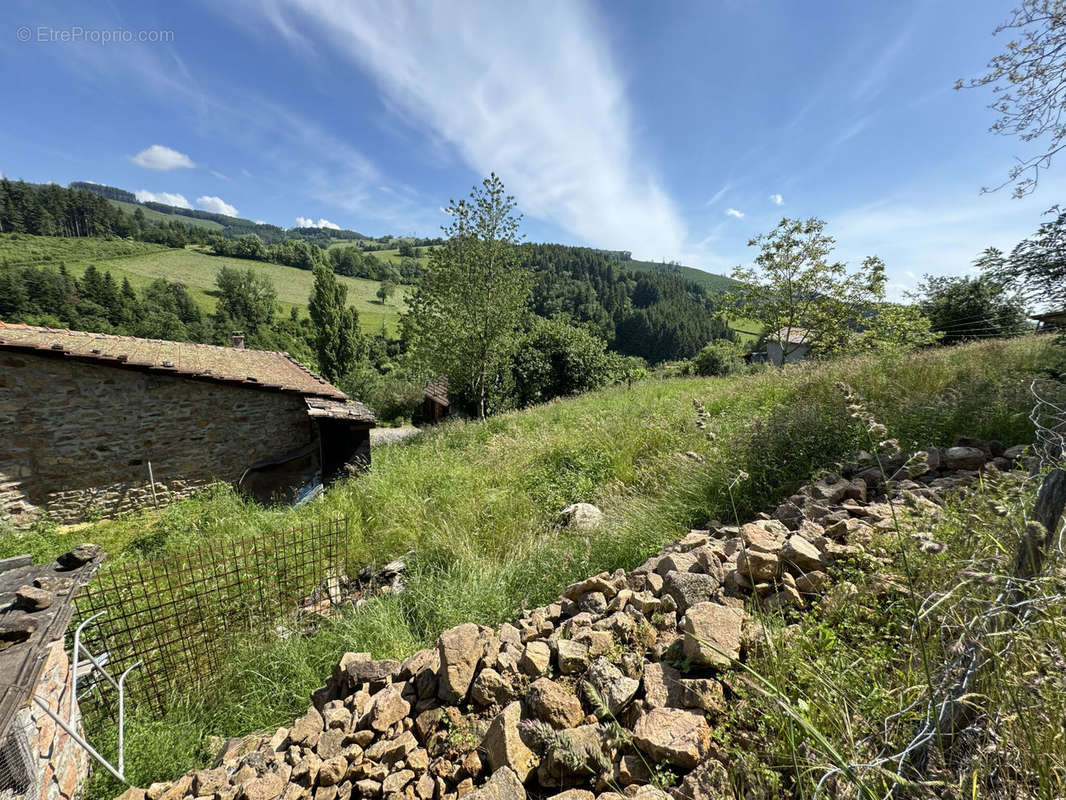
<point>795,335</point>
<point>262,369</point>
<point>349,411</point>
<point>437,390</point>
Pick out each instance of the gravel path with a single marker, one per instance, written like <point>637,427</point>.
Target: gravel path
<point>380,436</point>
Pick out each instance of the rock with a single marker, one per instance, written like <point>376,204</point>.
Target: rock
<point>80,555</point>
<point>32,598</point>
<point>593,602</point>
<point>372,672</point>
<point>332,771</point>
<point>662,684</point>
<point>555,705</point>
<point>689,588</point>
<point>209,781</point>
<point>597,642</point>
<point>307,729</point>
<point>569,757</point>
<point>811,582</point>
<point>573,656</point>
<point>305,771</point>
<point>757,537</point>
<point>395,781</point>
<point>267,787</point>
<point>758,565</point>
<point>679,736</point>
<point>133,793</point>
<point>503,785</point>
<point>712,634</point>
<point>536,659</point>
<point>611,687</point>
<point>709,781</point>
<point>829,490</point>
<point>964,458</point>
<point>490,688</point>
<point>632,770</point>
<point>574,794</point>
<point>503,745</point>
<point>1016,452</point>
<point>367,788</point>
<point>388,708</point>
<point>460,649</point>
<point>583,516</point>
<point>390,751</point>
<point>801,554</point>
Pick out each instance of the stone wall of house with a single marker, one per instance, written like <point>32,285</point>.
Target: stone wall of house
<point>77,437</point>
<point>60,764</point>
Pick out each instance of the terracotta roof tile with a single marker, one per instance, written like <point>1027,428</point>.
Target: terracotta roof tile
<point>264,369</point>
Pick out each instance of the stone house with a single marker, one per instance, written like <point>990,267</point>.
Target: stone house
<point>95,424</point>
<point>787,345</point>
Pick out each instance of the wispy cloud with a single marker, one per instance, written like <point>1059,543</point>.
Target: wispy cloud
<point>851,131</point>
<point>557,129</point>
<point>167,198</point>
<point>307,222</point>
<point>718,195</point>
<point>219,175</point>
<point>732,212</point>
<point>162,158</point>
<point>216,205</point>
<point>777,199</point>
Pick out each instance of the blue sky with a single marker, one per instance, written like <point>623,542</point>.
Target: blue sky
<point>675,130</point>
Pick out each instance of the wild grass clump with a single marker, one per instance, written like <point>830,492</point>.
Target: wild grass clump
<point>477,505</point>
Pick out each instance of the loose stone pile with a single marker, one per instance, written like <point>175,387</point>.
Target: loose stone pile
<point>582,697</point>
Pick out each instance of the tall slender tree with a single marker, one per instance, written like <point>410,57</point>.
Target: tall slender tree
<point>336,325</point>
<point>467,310</point>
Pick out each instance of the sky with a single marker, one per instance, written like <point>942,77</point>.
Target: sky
<point>675,130</point>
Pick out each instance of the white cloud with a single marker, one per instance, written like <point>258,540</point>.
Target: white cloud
<point>216,205</point>
<point>162,158</point>
<point>167,198</point>
<point>219,175</point>
<point>307,222</point>
<point>732,212</point>
<point>556,129</point>
<point>260,222</point>
<point>777,199</point>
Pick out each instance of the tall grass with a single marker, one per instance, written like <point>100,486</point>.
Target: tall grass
<point>477,504</point>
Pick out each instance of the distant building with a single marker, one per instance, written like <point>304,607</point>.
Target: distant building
<point>94,424</point>
<point>435,404</point>
<point>1052,321</point>
<point>787,345</point>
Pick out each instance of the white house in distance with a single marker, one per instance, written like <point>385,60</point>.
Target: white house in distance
<point>787,345</point>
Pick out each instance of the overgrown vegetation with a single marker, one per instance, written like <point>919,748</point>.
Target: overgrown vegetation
<point>477,503</point>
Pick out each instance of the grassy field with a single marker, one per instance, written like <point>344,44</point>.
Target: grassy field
<point>141,263</point>
<point>159,216</point>
<point>477,504</point>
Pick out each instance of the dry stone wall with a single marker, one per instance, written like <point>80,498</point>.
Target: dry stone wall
<point>77,437</point>
<point>594,695</point>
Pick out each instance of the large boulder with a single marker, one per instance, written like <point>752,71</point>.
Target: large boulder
<point>712,634</point>
<point>679,736</point>
<point>964,458</point>
<point>461,649</point>
<point>583,516</point>
<point>503,745</point>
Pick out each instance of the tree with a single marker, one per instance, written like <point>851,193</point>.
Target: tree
<point>464,316</point>
<point>336,326</point>
<point>793,286</point>
<point>556,358</point>
<point>385,291</point>
<point>962,308</point>
<point>1028,80</point>
<point>246,301</point>
<point>1036,268</point>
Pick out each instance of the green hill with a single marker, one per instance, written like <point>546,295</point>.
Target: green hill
<point>709,280</point>
<point>141,263</point>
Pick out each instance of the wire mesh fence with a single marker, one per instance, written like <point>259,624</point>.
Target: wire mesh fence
<point>175,614</point>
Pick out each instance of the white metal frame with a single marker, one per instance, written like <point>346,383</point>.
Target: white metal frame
<point>69,725</point>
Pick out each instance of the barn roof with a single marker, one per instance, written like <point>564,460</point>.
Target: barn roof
<point>794,335</point>
<point>437,390</point>
<point>346,411</point>
<point>262,369</point>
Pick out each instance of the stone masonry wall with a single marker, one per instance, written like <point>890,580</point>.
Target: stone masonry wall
<point>61,764</point>
<point>76,437</point>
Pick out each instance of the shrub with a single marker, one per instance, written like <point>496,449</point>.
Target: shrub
<point>718,357</point>
<point>556,359</point>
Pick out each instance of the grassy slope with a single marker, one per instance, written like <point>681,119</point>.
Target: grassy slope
<point>477,503</point>
<point>157,216</point>
<point>141,263</point>
<point>709,280</point>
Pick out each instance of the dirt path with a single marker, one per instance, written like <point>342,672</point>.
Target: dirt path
<point>380,436</point>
